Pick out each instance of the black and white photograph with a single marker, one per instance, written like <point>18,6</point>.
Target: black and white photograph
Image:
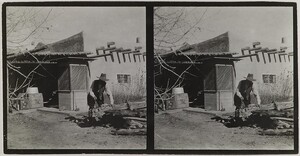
<point>76,77</point>
<point>150,77</point>
<point>224,78</point>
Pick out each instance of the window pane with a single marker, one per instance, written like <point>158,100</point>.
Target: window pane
<point>272,78</point>
<point>122,78</point>
<point>266,78</point>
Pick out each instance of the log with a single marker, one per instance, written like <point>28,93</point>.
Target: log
<point>271,113</point>
<point>136,118</point>
<point>283,118</point>
<point>136,124</point>
<point>137,105</point>
<point>130,132</point>
<point>282,124</point>
<point>277,105</point>
<point>277,132</point>
<point>127,113</point>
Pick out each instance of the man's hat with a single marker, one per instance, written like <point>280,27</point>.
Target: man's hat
<point>250,77</point>
<point>103,77</point>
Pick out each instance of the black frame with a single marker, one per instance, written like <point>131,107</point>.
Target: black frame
<point>150,75</point>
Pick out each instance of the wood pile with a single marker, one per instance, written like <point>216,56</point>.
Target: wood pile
<point>127,119</point>
<point>276,118</point>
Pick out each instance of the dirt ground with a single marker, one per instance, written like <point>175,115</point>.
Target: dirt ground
<point>188,130</point>
<point>42,130</point>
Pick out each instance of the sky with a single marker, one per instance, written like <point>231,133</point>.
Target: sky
<point>244,24</point>
<point>99,25</point>
<point>123,24</point>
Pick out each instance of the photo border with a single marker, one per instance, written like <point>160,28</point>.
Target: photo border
<point>150,75</point>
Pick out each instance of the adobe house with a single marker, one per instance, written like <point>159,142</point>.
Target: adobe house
<point>213,68</point>
<point>63,71</point>
<point>210,76</point>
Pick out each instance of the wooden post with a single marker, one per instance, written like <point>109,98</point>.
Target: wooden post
<point>104,56</point>
<point>279,58</point>
<point>145,56</point>
<point>112,57</point>
<point>129,57</point>
<point>284,57</point>
<point>134,57</point>
<point>250,56</point>
<point>118,57</point>
<point>275,57</point>
<point>263,54</point>
<point>124,57</point>
<point>254,49</point>
<point>139,57</point>
<point>243,50</point>
<point>257,57</point>
<point>269,55</point>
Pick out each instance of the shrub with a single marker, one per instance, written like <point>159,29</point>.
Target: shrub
<point>134,91</point>
<point>280,91</point>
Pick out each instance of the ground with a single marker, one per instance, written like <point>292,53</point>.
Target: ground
<point>42,130</point>
<point>188,130</point>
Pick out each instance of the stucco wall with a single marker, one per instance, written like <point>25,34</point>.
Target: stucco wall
<point>136,69</point>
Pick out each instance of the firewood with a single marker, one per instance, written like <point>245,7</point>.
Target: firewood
<point>270,112</point>
<point>277,132</point>
<point>283,118</point>
<point>282,124</point>
<point>136,124</point>
<point>136,105</point>
<point>127,113</point>
<point>277,106</point>
<point>136,118</point>
<point>130,132</point>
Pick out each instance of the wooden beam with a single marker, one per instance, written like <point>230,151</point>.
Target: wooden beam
<point>118,58</point>
<point>112,57</point>
<point>24,62</point>
<point>134,58</point>
<point>104,56</point>
<point>257,57</point>
<point>129,57</point>
<point>269,55</point>
<point>130,52</point>
<point>270,50</point>
<point>263,54</point>
<point>279,58</point>
<point>110,48</point>
<point>274,57</point>
<point>138,56</point>
<point>175,62</point>
<point>124,57</point>
<point>250,55</point>
<point>283,56</point>
<point>256,48</point>
<point>242,56</point>
<point>243,53</point>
